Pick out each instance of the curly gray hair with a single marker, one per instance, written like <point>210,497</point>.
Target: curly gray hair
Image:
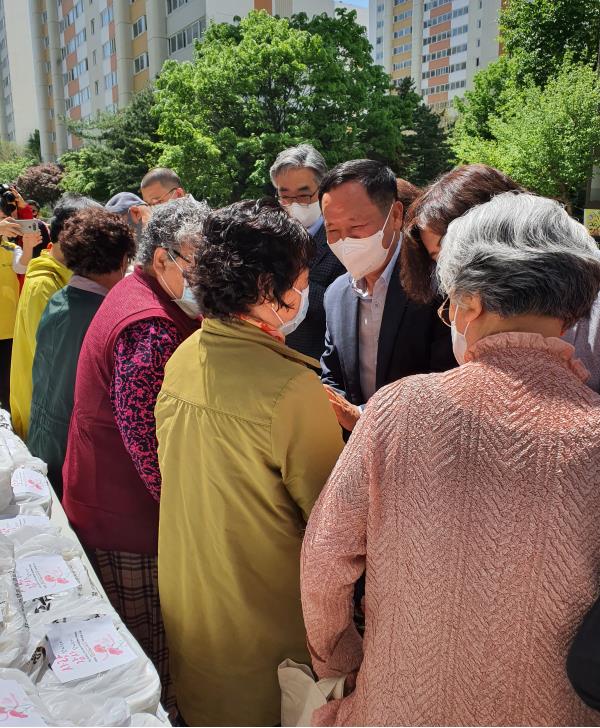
<point>521,254</point>
<point>172,224</point>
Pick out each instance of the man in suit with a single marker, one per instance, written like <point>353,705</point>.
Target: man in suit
<point>296,175</point>
<point>375,335</point>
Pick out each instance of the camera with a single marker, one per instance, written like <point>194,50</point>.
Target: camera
<point>8,199</point>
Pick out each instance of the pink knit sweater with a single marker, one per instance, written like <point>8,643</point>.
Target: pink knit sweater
<point>472,498</point>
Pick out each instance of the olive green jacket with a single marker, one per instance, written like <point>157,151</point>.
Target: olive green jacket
<point>247,440</point>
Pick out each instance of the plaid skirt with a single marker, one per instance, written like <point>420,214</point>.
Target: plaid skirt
<point>131,584</point>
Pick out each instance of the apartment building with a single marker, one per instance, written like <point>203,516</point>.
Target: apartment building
<point>18,111</point>
<point>440,44</point>
<point>90,56</point>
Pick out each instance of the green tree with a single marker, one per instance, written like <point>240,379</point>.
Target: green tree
<point>266,83</point>
<point>118,150</point>
<point>546,138</point>
<point>426,152</point>
<point>34,146</point>
<point>540,32</point>
<point>13,160</point>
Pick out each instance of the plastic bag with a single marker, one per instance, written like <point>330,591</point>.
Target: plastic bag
<point>58,708</point>
<point>136,682</point>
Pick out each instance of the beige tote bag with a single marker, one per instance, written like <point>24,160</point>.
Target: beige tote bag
<point>301,694</point>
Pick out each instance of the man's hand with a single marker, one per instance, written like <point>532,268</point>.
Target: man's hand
<point>347,414</point>
<point>9,228</point>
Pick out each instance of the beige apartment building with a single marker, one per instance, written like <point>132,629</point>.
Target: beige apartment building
<point>88,56</point>
<point>440,44</point>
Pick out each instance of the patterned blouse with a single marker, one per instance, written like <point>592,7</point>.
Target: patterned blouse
<point>140,355</point>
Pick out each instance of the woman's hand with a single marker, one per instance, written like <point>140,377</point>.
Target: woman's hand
<point>9,228</point>
<point>30,240</point>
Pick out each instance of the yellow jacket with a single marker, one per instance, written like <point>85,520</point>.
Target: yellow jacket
<point>247,440</point>
<point>45,276</point>
<point>9,289</point>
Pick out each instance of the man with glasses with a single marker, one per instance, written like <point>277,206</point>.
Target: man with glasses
<point>296,175</point>
<point>161,185</point>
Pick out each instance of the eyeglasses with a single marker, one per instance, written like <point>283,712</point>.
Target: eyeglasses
<point>177,254</point>
<point>444,312</point>
<point>160,200</point>
<point>306,200</point>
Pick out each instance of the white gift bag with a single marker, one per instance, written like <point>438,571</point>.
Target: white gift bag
<point>301,694</point>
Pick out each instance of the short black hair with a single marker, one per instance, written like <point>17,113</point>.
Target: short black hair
<point>66,207</point>
<point>163,175</point>
<point>34,203</point>
<point>377,178</point>
<point>251,251</point>
<point>94,242</point>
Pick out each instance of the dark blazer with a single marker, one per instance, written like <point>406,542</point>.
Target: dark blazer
<point>412,339</point>
<point>324,268</point>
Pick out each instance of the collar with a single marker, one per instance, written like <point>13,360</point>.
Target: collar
<point>86,284</point>
<point>239,329</point>
<point>315,227</point>
<point>360,287</point>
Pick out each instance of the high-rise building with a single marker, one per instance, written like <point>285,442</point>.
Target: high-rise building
<point>440,44</point>
<point>93,55</point>
<point>18,111</point>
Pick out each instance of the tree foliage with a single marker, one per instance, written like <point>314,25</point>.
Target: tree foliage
<point>13,160</point>
<point>426,152</point>
<point>119,149</point>
<point>540,32</point>
<point>547,138</point>
<point>41,182</point>
<point>266,83</point>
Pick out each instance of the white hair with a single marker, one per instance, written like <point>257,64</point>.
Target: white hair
<point>521,254</point>
<point>170,224</point>
<point>304,155</point>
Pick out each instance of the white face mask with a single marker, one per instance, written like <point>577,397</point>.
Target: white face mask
<point>307,215</point>
<point>459,341</point>
<point>361,256</point>
<point>187,302</point>
<point>288,327</point>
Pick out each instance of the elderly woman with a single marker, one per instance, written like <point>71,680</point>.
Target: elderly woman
<point>472,496</point>
<point>427,220</point>
<point>97,246</point>
<point>247,440</point>
<point>111,476</point>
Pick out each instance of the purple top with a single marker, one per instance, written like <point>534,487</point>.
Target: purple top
<point>140,355</point>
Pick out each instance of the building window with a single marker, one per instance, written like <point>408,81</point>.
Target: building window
<point>187,36</point>
<point>46,41</point>
<point>94,58</point>
<point>111,108</point>
<point>139,26</point>
<point>110,80</point>
<point>92,26</point>
<point>52,113</point>
<point>140,63</point>
<point>174,4</point>
<point>45,18</point>
<point>53,136</point>
<point>96,87</point>
<point>380,8</point>
<point>76,71</point>
<point>71,16</point>
<point>74,43</point>
<point>402,49</point>
<point>477,62</point>
<point>109,48</point>
<point>106,15</point>
<point>402,32</point>
<point>48,67</point>
<point>403,16</point>
<point>50,90</point>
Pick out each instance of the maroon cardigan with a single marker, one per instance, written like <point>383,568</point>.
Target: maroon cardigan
<point>104,497</point>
